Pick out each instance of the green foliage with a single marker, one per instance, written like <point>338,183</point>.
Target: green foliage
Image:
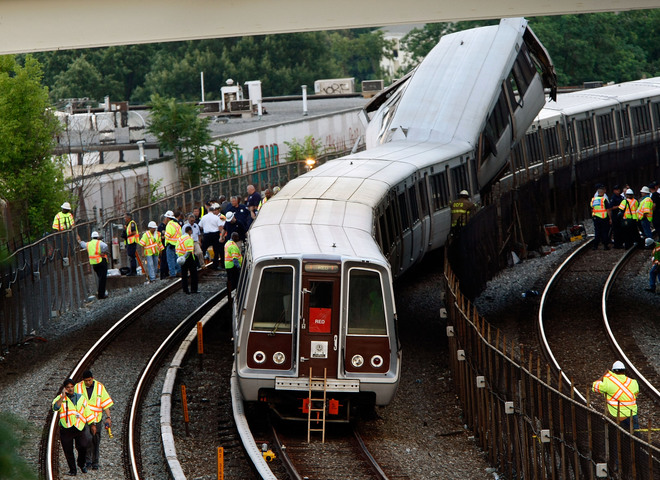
<point>31,182</point>
<point>310,148</point>
<point>219,159</point>
<point>12,466</point>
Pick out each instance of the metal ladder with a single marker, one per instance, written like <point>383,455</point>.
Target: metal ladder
<point>316,404</point>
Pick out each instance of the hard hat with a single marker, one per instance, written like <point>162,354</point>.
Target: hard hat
<point>229,216</point>
<point>66,206</point>
<point>181,260</point>
<point>276,189</point>
<point>170,214</point>
<point>95,234</point>
<point>464,192</point>
<point>648,242</point>
<point>630,192</point>
<point>645,190</point>
<point>618,365</point>
<point>152,224</point>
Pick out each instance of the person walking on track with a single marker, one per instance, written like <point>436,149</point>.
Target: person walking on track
<point>98,401</point>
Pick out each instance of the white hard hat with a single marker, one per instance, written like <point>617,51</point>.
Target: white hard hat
<point>648,242</point>
<point>181,260</point>
<point>630,192</point>
<point>229,216</point>
<point>152,224</point>
<point>95,234</point>
<point>66,206</point>
<point>645,190</point>
<point>464,192</point>
<point>215,206</point>
<point>170,214</point>
<point>618,365</point>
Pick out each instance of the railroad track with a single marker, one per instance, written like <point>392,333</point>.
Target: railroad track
<point>584,326</point>
<point>118,356</point>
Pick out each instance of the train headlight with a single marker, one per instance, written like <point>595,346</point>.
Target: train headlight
<point>259,357</point>
<point>376,361</point>
<point>279,357</point>
<point>357,361</point>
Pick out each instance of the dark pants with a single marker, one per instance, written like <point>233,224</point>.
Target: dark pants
<point>67,437</point>
<point>233,274</point>
<point>213,240</point>
<point>101,270</point>
<point>631,235</point>
<point>601,232</point>
<point>92,457</point>
<point>189,266</point>
<point>617,233</point>
<point>132,261</point>
<point>164,268</point>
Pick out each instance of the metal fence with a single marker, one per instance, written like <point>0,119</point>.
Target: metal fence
<point>528,424</point>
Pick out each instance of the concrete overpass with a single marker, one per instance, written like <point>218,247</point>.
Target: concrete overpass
<point>40,25</point>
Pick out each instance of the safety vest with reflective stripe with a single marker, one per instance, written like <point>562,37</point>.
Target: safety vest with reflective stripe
<point>629,207</point>
<point>151,242</point>
<point>172,232</point>
<point>74,413</point>
<point>261,203</point>
<point>461,210</point>
<point>598,207</point>
<point>132,234</point>
<point>63,221</point>
<point>646,209</point>
<point>94,252</point>
<point>620,393</point>
<point>656,254</point>
<point>184,245</point>
<point>231,252</point>
<point>99,401</point>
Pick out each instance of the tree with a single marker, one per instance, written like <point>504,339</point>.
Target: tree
<point>12,466</point>
<point>31,181</point>
<point>180,130</point>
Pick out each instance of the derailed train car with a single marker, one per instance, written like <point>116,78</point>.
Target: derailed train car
<point>314,311</point>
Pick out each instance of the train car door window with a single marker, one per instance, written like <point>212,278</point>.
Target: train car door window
<point>412,196</point>
<point>319,329</point>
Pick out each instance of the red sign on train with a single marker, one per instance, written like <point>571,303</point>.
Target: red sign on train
<point>319,320</point>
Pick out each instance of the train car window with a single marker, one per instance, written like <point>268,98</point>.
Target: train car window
<point>424,196</point>
<point>624,123</point>
<point>391,220</point>
<point>403,212</point>
<point>641,119</point>
<point>534,152</point>
<point>551,141</point>
<point>242,281</point>
<point>414,208</point>
<point>586,137</point>
<point>459,178</point>
<point>656,114</point>
<point>273,308</point>
<point>366,309</point>
<point>384,233</point>
<point>439,191</point>
<point>510,85</point>
<point>519,78</point>
<point>526,66</point>
<point>605,128</point>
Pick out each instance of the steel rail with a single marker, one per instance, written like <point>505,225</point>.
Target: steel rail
<point>132,449</point>
<point>91,355</point>
<point>367,454</point>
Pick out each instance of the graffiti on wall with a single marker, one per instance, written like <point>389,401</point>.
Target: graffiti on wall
<point>265,156</point>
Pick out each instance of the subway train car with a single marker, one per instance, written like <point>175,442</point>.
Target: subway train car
<point>314,311</point>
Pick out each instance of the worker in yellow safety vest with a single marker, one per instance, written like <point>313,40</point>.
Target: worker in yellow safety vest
<point>131,235</point>
<point>185,251</point>
<point>153,245</point>
<point>645,212</point>
<point>461,210</point>
<point>98,259</point>
<point>268,193</point>
<point>172,234</point>
<point>628,208</point>
<point>233,260</point>
<point>74,414</point>
<point>98,401</point>
<point>600,206</point>
<point>620,394</point>
<point>64,219</point>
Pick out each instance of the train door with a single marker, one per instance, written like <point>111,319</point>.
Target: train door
<point>319,329</point>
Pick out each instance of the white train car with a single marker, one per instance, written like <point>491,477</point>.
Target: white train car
<point>315,298</point>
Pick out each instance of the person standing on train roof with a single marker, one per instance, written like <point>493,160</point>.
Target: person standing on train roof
<point>233,261</point>
<point>654,273</point>
<point>132,236</point>
<point>615,201</point>
<point>99,401</point>
<point>172,234</point>
<point>74,414</point>
<point>185,251</point>
<point>153,245</point>
<point>628,207</point>
<point>461,210</point>
<point>645,212</point>
<point>64,219</point>
<point>620,394</point>
<point>599,208</point>
<point>98,258</point>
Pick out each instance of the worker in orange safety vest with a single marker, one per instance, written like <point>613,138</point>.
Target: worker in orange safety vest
<point>98,259</point>
<point>600,206</point>
<point>620,394</point>
<point>132,237</point>
<point>98,401</point>
<point>172,234</point>
<point>74,414</point>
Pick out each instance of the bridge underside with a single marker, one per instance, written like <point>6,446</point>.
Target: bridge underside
<point>40,25</point>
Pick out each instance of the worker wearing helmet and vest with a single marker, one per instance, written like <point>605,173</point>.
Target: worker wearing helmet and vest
<point>461,210</point>
<point>233,260</point>
<point>98,401</point>
<point>185,250</point>
<point>98,259</point>
<point>74,414</point>
<point>628,208</point>
<point>620,394</point>
<point>600,206</point>
<point>645,212</point>
<point>153,245</point>
<point>64,219</point>
<point>131,235</point>
<point>172,234</point>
